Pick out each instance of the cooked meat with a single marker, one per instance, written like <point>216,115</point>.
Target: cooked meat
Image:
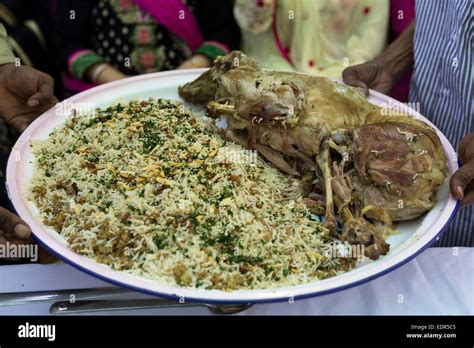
<point>371,165</point>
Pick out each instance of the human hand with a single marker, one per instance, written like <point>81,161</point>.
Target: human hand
<point>462,181</point>
<point>108,74</point>
<point>196,61</point>
<point>372,74</point>
<point>25,93</point>
<point>13,229</point>
<point>384,71</point>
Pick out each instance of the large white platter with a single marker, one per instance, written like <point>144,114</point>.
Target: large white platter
<point>413,238</point>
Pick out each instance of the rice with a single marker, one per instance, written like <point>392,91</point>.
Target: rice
<point>149,188</point>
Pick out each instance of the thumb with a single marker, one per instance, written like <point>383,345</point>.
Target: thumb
<point>351,77</point>
<point>45,93</point>
<point>461,179</point>
<point>13,225</point>
<point>20,123</point>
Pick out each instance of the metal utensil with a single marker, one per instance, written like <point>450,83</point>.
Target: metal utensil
<point>64,307</point>
<point>22,298</point>
<point>101,299</point>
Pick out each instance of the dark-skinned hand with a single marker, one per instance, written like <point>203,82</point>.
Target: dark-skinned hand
<point>25,93</point>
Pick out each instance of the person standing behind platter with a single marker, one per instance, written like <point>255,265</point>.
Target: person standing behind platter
<point>29,24</point>
<point>107,40</point>
<point>439,45</point>
<point>316,37</point>
<point>25,93</point>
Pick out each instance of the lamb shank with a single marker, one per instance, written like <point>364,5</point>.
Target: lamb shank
<point>365,166</point>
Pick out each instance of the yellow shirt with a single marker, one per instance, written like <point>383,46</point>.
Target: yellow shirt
<point>6,55</point>
<point>322,37</point>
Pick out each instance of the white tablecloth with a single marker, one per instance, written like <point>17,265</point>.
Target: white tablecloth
<point>439,281</point>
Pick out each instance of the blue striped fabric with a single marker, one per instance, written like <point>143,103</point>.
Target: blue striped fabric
<point>443,81</point>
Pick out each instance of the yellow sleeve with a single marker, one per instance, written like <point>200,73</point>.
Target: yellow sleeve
<point>6,55</point>
<point>370,31</point>
<point>368,39</point>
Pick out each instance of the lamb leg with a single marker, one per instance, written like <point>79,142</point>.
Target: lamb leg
<point>324,159</point>
<point>216,109</point>
<point>357,230</point>
<point>360,231</point>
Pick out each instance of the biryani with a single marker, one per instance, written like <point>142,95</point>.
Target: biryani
<point>149,188</point>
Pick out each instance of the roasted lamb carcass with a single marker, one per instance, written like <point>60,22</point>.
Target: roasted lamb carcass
<point>370,168</point>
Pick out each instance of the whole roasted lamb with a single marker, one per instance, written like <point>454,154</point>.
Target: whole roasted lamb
<point>364,164</point>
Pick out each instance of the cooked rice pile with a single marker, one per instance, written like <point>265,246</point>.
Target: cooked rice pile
<point>150,189</point>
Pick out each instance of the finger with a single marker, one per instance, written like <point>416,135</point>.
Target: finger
<point>33,101</point>
<point>351,77</point>
<point>44,257</point>
<point>468,196</point>
<point>21,122</point>
<point>12,240</point>
<point>45,94</point>
<point>468,199</point>
<point>465,151</point>
<point>38,99</point>
<point>13,225</point>
<point>461,179</point>
<point>17,241</point>
<point>186,65</point>
<point>4,241</point>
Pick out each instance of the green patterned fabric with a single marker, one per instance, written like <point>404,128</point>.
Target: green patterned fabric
<point>144,34</point>
<point>129,13</point>
<point>211,51</point>
<point>147,59</point>
<point>84,62</point>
